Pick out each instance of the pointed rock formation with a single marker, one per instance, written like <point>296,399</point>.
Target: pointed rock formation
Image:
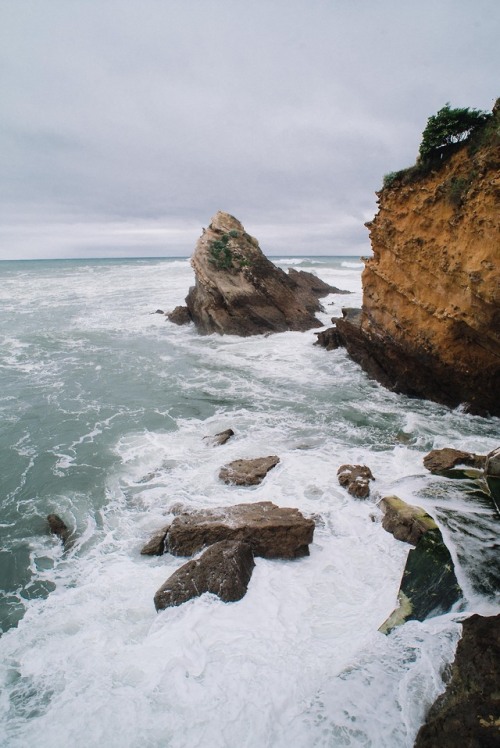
<point>238,291</point>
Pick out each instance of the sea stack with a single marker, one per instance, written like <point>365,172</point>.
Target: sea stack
<point>430,322</point>
<point>238,291</point>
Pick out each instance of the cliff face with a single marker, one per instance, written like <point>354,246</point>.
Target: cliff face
<point>430,323</point>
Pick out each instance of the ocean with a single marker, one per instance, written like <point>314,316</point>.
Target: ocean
<point>104,406</point>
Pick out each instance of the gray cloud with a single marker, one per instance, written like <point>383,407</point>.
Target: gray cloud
<point>151,116</point>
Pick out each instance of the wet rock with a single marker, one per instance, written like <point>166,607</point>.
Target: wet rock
<point>224,569</point>
<point>158,311</point>
<point>248,472</point>
<point>356,479</point>
<point>271,531</point>
<point>441,460</point>
<point>219,439</point>
<point>238,291</point>
<point>468,713</point>
<point>492,475</point>
<point>156,544</point>
<point>406,522</point>
<point>328,339</point>
<point>179,316</point>
<point>429,586</point>
<point>58,527</point>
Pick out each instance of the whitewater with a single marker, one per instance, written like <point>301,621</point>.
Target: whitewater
<point>104,406</point>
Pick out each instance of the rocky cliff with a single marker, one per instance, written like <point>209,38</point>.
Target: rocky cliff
<point>430,322</point>
<point>238,291</point>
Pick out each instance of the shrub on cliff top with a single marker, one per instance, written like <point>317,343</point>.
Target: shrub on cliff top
<point>447,127</point>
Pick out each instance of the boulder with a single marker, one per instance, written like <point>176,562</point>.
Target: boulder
<point>356,479</point>
<point>58,527</point>
<point>156,544</point>
<point>271,531</point>
<point>406,522</point>
<point>429,586</point>
<point>224,569</point>
<point>441,460</point>
<point>219,439</point>
<point>248,472</point>
<point>179,316</point>
<point>468,712</point>
<point>237,290</point>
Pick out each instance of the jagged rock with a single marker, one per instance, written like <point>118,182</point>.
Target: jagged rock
<point>180,316</point>
<point>238,290</point>
<point>467,714</point>
<point>156,544</point>
<point>430,325</point>
<point>406,522</point>
<point>248,472</point>
<point>219,439</point>
<point>492,474</point>
<point>328,339</point>
<point>312,288</point>
<point>224,569</point>
<point>58,527</point>
<point>356,479</point>
<point>429,586</point>
<point>441,460</point>
<point>272,531</point>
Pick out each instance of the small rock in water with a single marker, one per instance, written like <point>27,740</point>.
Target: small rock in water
<point>221,438</point>
<point>356,479</point>
<point>248,472</point>
<point>58,527</point>
<point>156,544</point>
<point>406,522</point>
<point>224,569</point>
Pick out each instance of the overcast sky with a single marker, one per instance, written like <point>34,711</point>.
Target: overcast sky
<point>126,124</point>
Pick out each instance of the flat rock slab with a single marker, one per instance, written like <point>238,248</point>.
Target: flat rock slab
<point>225,569</point>
<point>356,478</point>
<point>217,440</point>
<point>271,531</point>
<point>468,712</point>
<point>404,521</point>
<point>248,472</point>
<point>441,460</point>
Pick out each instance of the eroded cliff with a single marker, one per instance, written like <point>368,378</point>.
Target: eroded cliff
<point>430,322</point>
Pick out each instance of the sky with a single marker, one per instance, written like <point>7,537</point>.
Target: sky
<point>125,125</point>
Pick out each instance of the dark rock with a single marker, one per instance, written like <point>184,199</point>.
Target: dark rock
<point>429,586</point>
<point>311,288</point>
<point>156,544</point>
<point>224,569</point>
<point>58,527</point>
<point>219,439</point>
<point>492,475</point>
<point>467,714</point>
<point>356,479</point>
<point>441,460</point>
<point>238,291</point>
<point>158,311</point>
<point>248,472</point>
<point>272,531</point>
<point>180,316</point>
<point>406,522</point>
<point>328,339</point>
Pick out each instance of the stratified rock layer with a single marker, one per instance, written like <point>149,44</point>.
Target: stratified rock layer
<point>430,324</point>
<point>271,531</point>
<point>238,290</point>
<point>468,713</point>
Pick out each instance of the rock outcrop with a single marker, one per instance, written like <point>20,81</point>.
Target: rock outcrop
<point>156,543</point>
<point>224,569</point>
<point>356,478</point>
<point>217,440</point>
<point>441,460</point>
<point>238,291</point>
<point>248,472</point>
<point>468,713</point>
<point>179,316</point>
<point>430,322</point>
<point>271,531</point>
<point>405,521</point>
<point>58,527</point>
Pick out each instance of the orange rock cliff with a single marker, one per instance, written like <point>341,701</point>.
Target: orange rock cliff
<point>430,322</point>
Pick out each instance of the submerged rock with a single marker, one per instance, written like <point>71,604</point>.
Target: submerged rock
<point>225,569</point>
<point>156,544</point>
<point>429,586</point>
<point>238,291</point>
<point>271,531</point>
<point>219,439</point>
<point>58,527</point>
<point>468,713</point>
<point>356,479</point>
<point>441,460</point>
<point>248,472</point>
<point>406,522</point>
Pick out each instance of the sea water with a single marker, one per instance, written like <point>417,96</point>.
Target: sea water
<point>104,410</point>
